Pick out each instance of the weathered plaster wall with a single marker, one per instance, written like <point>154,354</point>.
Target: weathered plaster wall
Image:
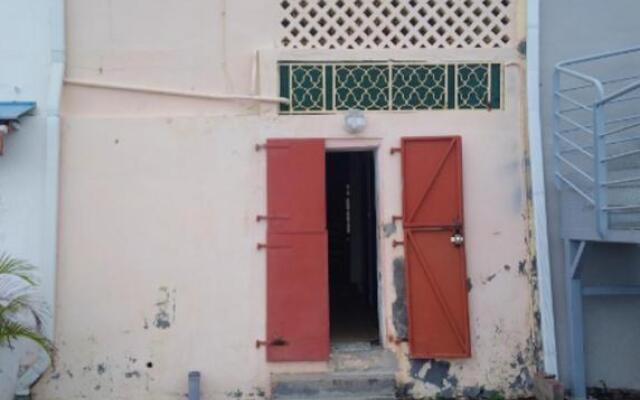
<point>159,273</point>
<point>25,30</point>
<point>570,29</point>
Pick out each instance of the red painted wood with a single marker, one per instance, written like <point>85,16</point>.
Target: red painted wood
<point>435,268</point>
<point>298,299</point>
<point>296,185</point>
<point>297,260</point>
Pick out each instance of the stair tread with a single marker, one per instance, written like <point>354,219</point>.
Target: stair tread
<point>332,396</point>
<point>333,375</point>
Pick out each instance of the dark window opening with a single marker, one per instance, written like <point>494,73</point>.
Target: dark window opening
<point>351,222</point>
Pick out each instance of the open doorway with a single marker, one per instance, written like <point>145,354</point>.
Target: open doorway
<point>351,223</point>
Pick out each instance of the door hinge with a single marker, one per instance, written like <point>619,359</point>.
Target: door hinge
<point>275,342</point>
<point>270,217</point>
<point>261,246</point>
<point>259,147</point>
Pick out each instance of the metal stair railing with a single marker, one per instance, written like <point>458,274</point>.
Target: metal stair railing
<point>590,126</point>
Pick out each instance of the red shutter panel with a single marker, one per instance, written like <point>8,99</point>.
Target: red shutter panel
<point>435,266</point>
<point>297,263</point>
<point>296,185</point>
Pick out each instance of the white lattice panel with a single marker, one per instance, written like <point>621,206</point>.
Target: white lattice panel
<point>393,24</point>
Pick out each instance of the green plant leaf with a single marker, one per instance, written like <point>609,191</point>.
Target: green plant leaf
<point>17,268</point>
<point>11,330</point>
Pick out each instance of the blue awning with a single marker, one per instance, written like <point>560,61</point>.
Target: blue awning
<point>12,110</point>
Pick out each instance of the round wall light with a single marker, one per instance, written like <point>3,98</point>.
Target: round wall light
<point>354,121</point>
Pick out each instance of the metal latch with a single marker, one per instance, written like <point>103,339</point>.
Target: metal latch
<point>457,239</point>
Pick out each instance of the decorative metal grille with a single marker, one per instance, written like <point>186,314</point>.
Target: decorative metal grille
<point>365,87</point>
<point>329,87</point>
<point>307,89</point>
<point>418,87</point>
<point>386,24</point>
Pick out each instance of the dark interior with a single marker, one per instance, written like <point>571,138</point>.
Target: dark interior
<point>351,222</point>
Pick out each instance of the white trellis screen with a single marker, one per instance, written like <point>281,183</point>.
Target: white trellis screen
<point>393,24</point>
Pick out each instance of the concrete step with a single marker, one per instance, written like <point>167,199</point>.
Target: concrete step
<point>332,397</point>
<point>364,358</point>
<point>334,385</point>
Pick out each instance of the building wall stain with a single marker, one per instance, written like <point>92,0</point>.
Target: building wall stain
<point>399,307</point>
<point>166,308</point>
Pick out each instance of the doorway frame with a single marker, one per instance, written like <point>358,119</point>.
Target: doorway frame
<point>335,145</point>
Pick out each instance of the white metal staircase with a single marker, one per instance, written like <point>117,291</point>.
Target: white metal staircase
<point>597,144</point>
<point>596,136</point>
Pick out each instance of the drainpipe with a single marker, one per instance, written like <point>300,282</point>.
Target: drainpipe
<point>52,174</point>
<point>536,160</point>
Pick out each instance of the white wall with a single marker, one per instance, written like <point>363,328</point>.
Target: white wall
<point>24,69</point>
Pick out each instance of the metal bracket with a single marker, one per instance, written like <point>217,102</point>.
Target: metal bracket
<point>261,246</point>
<point>275,342</point>
<point>397,340</point>
<point>397,243</point>
<point>396,218</point>
<point>269,217</point>
<point>395,150</point>
<point>259,147</point>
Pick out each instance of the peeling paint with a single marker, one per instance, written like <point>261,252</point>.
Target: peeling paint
<point>522,267</point>
<point>523,380</point>
<point>433,372</point>
<point>101,369</point>
<point>438,372</point>
<point>166,305</point>
<point>236,394</point>
<point>132,374</point>
<point>400,318</point>
<point>389,229</point>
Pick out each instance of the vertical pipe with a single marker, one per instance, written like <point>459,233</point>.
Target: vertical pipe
<point>600,168</point>
<point>555,126</point>
<point>536,158</point>
<point>194,385</point>
<point>574,309</point>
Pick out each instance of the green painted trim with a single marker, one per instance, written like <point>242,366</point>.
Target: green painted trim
<point>331,86</point>
<point>284,87</point>
<point>451,87</point>
<point>328,87</point>
<point>496,86</point>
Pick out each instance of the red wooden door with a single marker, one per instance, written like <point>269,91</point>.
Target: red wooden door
<point>297,261</point>
<point>435,265</point>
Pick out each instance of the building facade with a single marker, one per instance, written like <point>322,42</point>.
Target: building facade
<point>219,213</point>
